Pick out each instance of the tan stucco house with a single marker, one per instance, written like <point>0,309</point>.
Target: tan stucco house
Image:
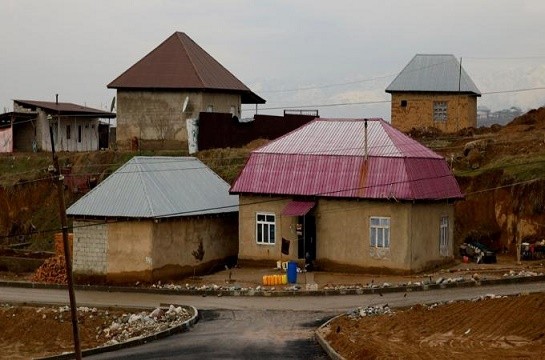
<point>348,194</point>
<point>75,127</point>
<point>155,218</point>
<point>170,86</point>
<point>433,90</point>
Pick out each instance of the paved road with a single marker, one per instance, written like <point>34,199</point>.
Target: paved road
<point>297,303</point>
<point>238,334</point>
<point>249,327</point>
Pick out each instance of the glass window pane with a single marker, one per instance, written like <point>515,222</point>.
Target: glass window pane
<point>387,237</point>
<point>373,237</point>
<point>260,217</point>
<point>271,234</point>
<point>380,238</point>
<point>375,221</point>
<point>259,233</point>
<point>270,218</point>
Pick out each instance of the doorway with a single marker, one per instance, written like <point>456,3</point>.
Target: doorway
<point>306,236</point>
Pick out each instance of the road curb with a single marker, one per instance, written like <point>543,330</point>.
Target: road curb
<point>185,326</point>
<point>349,290</point>
<point>323,342</point>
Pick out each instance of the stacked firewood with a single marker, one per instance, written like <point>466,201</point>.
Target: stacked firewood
<point>52,271</point>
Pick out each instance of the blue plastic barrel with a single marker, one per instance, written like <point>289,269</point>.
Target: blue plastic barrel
<point>292,272</point>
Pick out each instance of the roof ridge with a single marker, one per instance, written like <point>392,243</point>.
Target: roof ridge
<point>179,35</point>
<point>144,187</point>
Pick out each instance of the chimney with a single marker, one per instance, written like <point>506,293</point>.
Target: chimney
<point>57,99</point>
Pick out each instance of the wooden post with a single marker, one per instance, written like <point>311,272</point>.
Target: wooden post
<point>56,175</point>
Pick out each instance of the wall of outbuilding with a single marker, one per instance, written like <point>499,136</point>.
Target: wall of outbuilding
<point>418,111</point>
<point>157,117</point>
<point>148,250</point>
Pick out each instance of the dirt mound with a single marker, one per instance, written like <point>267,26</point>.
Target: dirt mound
<point>507,327</point>
<point>29,332</point>
<point>534,117</point>
<point>425,132</point>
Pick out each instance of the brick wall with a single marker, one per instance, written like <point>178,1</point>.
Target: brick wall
<point>415,110</point>
<point>90,248</point>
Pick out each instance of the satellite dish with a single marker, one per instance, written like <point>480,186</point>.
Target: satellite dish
<point>186,102</point>
<point>112,106</point>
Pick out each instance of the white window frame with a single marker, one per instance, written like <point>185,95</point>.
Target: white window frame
<point>266,225</point>
<point>440,111</point>
<point>444,235</point>
<point>379,232</point>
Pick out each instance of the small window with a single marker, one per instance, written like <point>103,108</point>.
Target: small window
<point>265,228</point>
<point>379,232</point>
<point>68,132</point>
<point>443,236</point>
<point>79,133</point>
<point>440,110</point>
<point>403,103</point>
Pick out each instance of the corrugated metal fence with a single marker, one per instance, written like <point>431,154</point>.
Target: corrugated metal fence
<point>220,130</point>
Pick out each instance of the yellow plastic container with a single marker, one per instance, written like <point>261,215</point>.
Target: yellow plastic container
<point>271,280</point>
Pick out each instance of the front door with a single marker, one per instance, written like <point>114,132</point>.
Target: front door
<point>306,234</point>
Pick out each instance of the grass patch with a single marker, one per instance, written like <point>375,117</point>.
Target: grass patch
<point>517,168</point>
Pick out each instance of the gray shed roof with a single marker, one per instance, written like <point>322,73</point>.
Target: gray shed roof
<point>158,187</point>
<point>433,73</point>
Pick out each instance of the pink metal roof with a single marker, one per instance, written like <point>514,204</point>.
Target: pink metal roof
<point>298,208</point>
<point>326,158</point>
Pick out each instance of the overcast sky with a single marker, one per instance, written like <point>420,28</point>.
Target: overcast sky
<point>292,53</point>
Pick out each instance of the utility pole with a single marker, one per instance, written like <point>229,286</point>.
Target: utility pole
<point>58,178</point>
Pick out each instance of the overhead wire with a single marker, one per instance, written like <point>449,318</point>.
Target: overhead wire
<point>278,197</point>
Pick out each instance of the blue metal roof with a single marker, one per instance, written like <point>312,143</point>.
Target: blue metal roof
<point>433,73</point>
<point>158,187</point>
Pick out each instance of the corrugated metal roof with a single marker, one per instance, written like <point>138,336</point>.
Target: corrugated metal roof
<point>298,208</point>
<point>65,108</point>
<point>179,63</point>
<point>158,187</point>
<point>345,137</point>
<point>433,73</point>
<point>326,158</point>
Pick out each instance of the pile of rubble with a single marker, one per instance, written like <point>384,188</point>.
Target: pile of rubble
<point>377,310</point>
<point>138,325</point>
<point>52,271</point>
<point>522,273</point>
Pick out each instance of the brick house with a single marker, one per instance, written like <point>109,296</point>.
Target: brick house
<point>169,86</point>
<point>349,194</point>
<point>433,91</point>
<point>155,218</point>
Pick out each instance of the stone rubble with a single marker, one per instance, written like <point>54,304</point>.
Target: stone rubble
<point>129,326</point>
<point>142,324</point>
<point>377,310</point>
<point>522,273</point>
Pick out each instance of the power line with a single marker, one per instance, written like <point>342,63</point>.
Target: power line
<point>279,198</point>
<point>372,102</point>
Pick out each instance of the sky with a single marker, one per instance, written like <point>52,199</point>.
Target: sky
<point>333,56</point>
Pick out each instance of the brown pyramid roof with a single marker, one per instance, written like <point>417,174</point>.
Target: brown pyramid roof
<point>179,63</point>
